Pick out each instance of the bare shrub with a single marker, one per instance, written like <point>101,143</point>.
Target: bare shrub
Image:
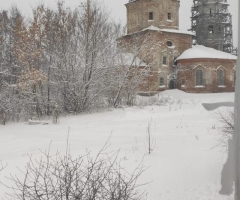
<point>2,167</point>
<point>64,177</point>
<point>227,121</point>
<point>156,100</point>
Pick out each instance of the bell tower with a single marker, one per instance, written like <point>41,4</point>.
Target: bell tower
<point>212,24</point>
<point>163,14</point>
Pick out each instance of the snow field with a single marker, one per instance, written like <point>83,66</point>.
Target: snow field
<point>184,164</point>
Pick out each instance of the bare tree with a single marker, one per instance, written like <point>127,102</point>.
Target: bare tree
<point>9,69</point>
<point>84,177</point>
<point>227,121</point>
<point>135,62</point>
<point>68,61</point>
<point>2,167</point>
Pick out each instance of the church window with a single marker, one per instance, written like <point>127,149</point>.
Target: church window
<point>199,78</point>
<point>169,16</point>
<point>210,29</point>
<point>169,43</point>
<point>219,28</point>
<point>161,81</point>
<point>183,81</point>
<point>150,15</point>
<point>220,77</point>
<point>164,60</point>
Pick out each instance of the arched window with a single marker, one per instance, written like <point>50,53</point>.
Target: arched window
<point>169,16</point>
<point>161,81</point>
<point>164,57</point>
<point>210,29</point>
<point>164,60</point>
<point>150,15</point>
<point>219,29</point>
<point>221,78</point>
<point>199,77</point>
<point>183,82</point>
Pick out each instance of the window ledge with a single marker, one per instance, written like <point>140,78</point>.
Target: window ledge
<point>164,65</point>
<point>151,20</point>
<point>199,86</point>
<point>169,20</point>
<point>183,86</point>
<point>221,86</point>
<point>162,86</point>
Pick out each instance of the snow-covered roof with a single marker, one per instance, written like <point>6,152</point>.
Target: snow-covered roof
<point>130,1</point>
<point>154,28</point>
<point>129,59</point>
<point>200,51</point>
<point>177,31</point>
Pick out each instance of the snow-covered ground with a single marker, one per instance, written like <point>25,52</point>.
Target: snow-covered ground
<point>184,165</point>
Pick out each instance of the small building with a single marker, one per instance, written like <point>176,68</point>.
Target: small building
<point>202,69</point>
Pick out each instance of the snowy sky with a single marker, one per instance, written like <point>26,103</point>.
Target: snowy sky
<point>118,11</point>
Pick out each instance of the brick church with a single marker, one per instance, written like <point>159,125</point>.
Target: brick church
<point>153,35</point>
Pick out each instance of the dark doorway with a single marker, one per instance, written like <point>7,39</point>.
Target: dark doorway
<point>172,85</point>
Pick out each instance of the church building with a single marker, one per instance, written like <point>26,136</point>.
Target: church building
<point>153,35</point>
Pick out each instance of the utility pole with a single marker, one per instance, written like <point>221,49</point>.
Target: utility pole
<point>237,118</point>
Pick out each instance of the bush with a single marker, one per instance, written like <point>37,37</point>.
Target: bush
<point>83,178</point>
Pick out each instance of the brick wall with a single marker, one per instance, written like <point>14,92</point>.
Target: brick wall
<point>138,14</point>
<point>151,47</point>
<point>210,68</point>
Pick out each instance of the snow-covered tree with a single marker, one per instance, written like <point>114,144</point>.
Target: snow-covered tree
<point>66,61</point>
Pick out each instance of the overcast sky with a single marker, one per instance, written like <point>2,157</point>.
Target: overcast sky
<point>118,10</point>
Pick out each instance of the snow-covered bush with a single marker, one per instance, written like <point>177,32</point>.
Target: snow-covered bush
<point>155,100</point>
<point>63,61</point>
